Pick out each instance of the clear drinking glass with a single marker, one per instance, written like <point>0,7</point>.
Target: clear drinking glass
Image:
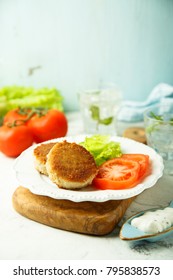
<point>158,121</point>
<point>99,109</point>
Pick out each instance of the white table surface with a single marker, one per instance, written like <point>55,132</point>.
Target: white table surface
<point>23,239</point>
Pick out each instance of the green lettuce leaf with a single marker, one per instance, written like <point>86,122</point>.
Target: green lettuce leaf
<point>12,97</point>
<point>101,148</point>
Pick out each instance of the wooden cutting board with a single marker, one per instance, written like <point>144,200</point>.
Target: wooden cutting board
<point>96,218</point>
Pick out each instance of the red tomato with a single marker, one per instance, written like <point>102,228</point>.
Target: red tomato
<point>142,159</point>
<point>18,115</point>
<point>14,140</point>
<point>51,125</point>
<point>117,173</point>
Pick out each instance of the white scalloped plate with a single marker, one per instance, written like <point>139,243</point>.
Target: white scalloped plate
<point>30,178</point>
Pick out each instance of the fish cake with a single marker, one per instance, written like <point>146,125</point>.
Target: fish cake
<point>70,165</point>
<point>40,157</point>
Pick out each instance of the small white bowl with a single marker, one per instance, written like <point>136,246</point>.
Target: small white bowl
<point>130,233</point>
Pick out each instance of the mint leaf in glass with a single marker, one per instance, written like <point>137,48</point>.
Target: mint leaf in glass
<point>95,114</point>
<point>106,121</point>
<point>157,117</point>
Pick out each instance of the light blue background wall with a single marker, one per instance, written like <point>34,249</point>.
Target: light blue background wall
<point>79,44</point>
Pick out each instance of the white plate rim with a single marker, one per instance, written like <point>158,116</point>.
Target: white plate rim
<point>46,188</point>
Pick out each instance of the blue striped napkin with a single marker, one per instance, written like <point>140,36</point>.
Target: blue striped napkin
<point>132,111</point>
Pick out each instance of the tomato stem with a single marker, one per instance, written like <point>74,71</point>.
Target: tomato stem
<point>29,113</point>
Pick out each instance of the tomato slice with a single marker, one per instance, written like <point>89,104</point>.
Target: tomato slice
<point>117,173</point>
<point>142,159</point>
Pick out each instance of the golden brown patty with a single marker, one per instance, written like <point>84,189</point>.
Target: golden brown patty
<point>70,165</point>
<point>40,154</point>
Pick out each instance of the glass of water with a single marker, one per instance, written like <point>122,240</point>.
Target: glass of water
<point>158,121</point>
<point>99,109</point>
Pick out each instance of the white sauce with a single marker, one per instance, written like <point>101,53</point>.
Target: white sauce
<point>154,221</point>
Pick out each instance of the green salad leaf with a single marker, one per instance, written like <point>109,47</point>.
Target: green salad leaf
<point>12,97</point>
<point>101,148</point>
